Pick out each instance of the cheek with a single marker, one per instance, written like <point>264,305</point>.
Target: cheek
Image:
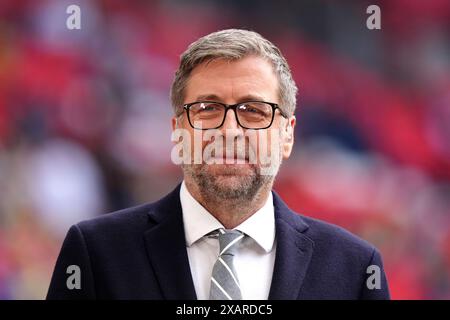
<point>198,144</point>
<point>263,143</point>
<point>267,142</point>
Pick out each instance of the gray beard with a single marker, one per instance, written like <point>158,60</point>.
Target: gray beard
<point>211,188</point>
<point>248,188</point>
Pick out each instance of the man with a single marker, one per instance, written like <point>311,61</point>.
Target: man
<point>222,233</point>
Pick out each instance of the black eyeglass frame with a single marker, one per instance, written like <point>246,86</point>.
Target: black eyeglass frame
<point>227,107</point>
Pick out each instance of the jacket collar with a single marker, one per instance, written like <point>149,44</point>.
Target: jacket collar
<point>166,248</point>
<point>294,252</point>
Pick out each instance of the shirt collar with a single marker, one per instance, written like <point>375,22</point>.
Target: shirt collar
<point>260,226</point>
<point>198,221</point>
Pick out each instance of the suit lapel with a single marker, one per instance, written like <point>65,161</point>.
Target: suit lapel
<point>166,247</point>
<point>294,251</point>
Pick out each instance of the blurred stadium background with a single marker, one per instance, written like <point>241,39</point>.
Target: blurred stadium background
<point>85,122</point>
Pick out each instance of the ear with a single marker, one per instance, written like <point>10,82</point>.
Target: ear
<point>288,136</point>
<point>175,123</point>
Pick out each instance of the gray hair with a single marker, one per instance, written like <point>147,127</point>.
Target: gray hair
<point>234,44</point>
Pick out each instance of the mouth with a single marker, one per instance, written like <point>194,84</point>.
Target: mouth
<point>228,160</point>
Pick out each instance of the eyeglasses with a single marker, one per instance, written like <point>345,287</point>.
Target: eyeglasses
<point>205,115</point>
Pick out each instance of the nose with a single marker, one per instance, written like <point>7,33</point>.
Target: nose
<point>230,121</point>
<point>231,131</point>
<point>231,128</point>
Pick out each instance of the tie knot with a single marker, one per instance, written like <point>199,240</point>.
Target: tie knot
<point>228,239</point>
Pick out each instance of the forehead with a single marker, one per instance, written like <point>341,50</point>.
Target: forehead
<point>233,81</point>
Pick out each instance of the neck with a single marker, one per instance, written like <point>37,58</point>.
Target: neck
<point>229,212</point>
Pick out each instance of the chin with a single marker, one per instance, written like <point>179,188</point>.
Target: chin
<point>231,181</point>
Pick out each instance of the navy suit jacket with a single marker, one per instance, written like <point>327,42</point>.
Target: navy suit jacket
<point>140,253</point>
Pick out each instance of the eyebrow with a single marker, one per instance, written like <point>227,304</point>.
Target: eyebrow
<point>208,97</point>
<point>214,97</point>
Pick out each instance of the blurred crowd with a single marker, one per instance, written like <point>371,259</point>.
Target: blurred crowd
<point>85,122</point>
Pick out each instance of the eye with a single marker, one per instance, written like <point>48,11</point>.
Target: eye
<point>210,107</point>
<point>252,109</point>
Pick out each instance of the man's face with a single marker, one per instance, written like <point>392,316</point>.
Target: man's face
<point>230,82</point>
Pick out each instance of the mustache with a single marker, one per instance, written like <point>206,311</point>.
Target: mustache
<point>234,152</point>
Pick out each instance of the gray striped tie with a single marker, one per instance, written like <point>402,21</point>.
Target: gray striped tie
<point>224,281</point>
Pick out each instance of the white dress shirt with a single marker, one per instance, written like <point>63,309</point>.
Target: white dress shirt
<point>255,256</point>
